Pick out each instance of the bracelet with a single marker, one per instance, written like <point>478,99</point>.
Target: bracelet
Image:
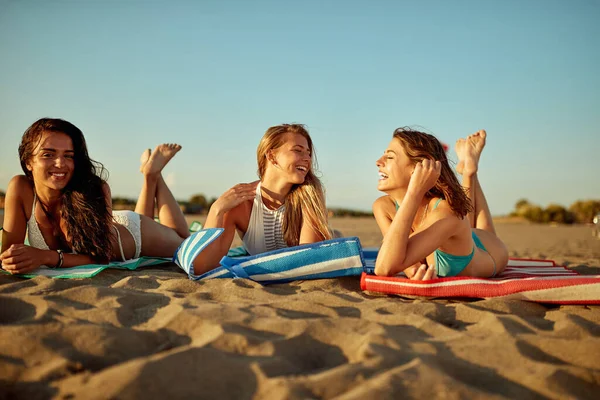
<point>60,259</point>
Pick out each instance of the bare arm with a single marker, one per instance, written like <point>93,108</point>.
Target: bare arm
<point>223,214</point>
<point>107,197</point>
<point>308,234</point>
<point>15,219</point>
<point>210,257</point>
<point>384,210</point>
<point>16,257</point>
<point>400,249</point>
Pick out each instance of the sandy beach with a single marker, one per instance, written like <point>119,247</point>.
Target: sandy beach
<point>153,333</point>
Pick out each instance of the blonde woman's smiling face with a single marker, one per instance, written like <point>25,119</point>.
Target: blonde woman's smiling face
<point>293,158</point>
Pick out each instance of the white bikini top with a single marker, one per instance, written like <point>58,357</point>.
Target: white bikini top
<point>265,228</point>
<point>34,234</point>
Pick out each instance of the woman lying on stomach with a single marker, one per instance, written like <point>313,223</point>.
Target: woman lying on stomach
<point>286,207</point>
<point>432,226</point>
<point>64,205</point>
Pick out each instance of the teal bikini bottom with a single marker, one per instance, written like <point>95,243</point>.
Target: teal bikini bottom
<point>451,265</point>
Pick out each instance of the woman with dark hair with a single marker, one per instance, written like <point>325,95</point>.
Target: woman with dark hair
<point>433,226</point>
<point>286,207</point>
<point>64,205</point>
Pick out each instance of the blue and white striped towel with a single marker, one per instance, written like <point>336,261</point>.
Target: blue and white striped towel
<point>192,246</point>
<point>329,259</point>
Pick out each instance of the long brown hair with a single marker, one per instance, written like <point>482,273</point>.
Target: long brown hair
<point>83,205</point>
<point>419,146</point>
<point>306,200</point>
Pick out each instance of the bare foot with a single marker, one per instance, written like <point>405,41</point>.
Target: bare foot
<point>468,151</point>
<point>161,155</point>
<point>144,159</point>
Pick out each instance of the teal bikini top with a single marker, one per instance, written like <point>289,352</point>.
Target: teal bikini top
<point>448,264</point>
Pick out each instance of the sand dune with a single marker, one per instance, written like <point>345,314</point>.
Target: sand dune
<point>153,333</point>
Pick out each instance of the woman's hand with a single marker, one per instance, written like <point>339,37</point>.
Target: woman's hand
<point>235,196</point>
<point>20,258</point>
<point>424,273</point>
<point>424,176</point>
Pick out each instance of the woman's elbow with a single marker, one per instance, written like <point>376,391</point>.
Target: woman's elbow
<point>383,269</point>
<point>203,265</point>
<point>389,267</point>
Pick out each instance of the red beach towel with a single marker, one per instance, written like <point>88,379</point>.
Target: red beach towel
<point>540,281</point>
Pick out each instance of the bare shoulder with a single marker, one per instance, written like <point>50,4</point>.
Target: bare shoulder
<point>106,188</point>
<point>19,195</point>
<point>21,187</point>
<point>241,214</point>
<point>384,205</point>
<point>444,212</point>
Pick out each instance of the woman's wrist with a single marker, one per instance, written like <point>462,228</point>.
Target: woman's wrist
<point>415,193</point>
<point>51,258</point>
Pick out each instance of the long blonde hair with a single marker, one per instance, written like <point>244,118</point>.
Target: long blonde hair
<point>305,200</point>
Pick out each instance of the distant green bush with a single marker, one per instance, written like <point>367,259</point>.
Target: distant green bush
<point>346,212</point>
<point>580,212</point>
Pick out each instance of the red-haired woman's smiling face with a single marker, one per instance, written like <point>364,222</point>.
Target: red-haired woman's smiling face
<point>395,168</point>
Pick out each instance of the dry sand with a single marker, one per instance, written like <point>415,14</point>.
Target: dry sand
<point>153,333</point>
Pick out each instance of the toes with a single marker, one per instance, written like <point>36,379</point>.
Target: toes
<point>145,156</point>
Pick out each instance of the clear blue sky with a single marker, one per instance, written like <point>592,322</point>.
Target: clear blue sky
<point>214,75</point>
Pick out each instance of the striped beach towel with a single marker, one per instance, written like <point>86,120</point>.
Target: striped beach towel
<point>540,281</point>
<point>327,259</point>
<point>91,270</point>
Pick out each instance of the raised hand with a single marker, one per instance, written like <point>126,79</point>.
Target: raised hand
<point>424,176</point>
<point>235,196</point>
<point>20,258</point>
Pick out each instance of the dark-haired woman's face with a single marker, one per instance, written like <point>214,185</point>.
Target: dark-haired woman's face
<point>53,161</point>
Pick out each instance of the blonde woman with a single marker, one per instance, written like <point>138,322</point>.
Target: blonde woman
<point>286,207</point>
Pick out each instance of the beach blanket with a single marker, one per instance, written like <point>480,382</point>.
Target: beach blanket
<point>540,281</point>
<point>328,259</point>
<point>90,270</point>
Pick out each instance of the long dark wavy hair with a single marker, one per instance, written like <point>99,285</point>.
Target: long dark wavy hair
<point>419,146</point>
<point>306,200</point>
<point>83,206</point>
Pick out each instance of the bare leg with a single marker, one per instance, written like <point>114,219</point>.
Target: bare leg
<point>145,203</point>
<point>154,189</point>
<point>158,240</point>
<point>169,212</point>
<point>468,151</point>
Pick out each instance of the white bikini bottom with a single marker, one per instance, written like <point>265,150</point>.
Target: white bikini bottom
<point>131,221</point>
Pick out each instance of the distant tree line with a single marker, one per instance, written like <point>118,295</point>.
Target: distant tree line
<point>199,204</point>
<point>582,211</point>
<point>345,212</point>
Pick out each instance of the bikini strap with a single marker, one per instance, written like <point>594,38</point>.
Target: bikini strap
<point>33,206</point>
<point>437,203</point>
<point>120,245</point>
